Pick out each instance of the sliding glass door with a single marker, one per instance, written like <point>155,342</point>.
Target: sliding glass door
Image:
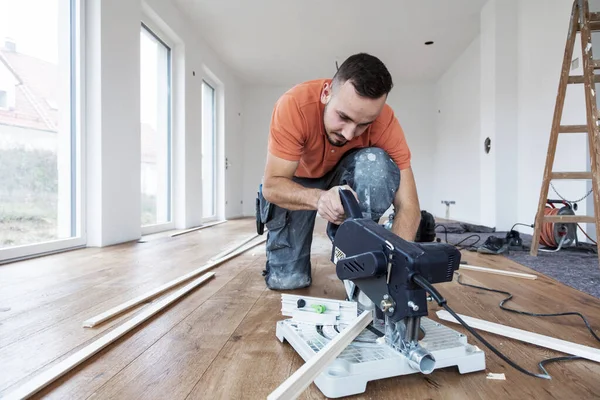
<point>40,140</point>
<point>156,144</point>
<point>209,152</point>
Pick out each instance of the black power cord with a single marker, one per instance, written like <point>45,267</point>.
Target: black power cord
<point>510,296</point>
<point>424,284</point>
<point>472,245</point>
<point>445,230</point>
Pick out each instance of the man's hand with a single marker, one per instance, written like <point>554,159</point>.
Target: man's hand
<point>330,205</point>
<point>280,189</point>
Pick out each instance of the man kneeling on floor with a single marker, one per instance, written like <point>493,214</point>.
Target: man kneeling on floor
<point>326,134</point>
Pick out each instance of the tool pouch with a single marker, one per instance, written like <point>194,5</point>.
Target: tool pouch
<point>264,211</point>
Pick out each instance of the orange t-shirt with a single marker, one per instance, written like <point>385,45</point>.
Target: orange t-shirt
<point>297,133</point>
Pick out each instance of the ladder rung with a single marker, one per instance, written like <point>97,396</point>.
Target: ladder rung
<point>573,129</point>
<point>594,22</point>
<point>579,79</point>
<point>568,219</point>
<point>571,175</point>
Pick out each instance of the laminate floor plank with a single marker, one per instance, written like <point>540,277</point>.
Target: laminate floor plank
<point>30,276</point>
<point>219,341</point>
<point>101,294</point>
<point>114,273</point>
<point>171,367</point>
<point>234,373</point>
<point>54,342</point>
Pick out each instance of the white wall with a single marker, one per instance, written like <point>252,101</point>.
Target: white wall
<point>413,104</point>
<point>506,89</point>
<point>543,26</point>
<point>201,62</point>
<point>439,141</point>
<point>415,108</point>
<point>113,119</point>
<point>258,102</point>
<point>458,148</point>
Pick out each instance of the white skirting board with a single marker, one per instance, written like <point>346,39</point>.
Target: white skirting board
<point>198,228</point>
<point>293,387</point>
<point>548,342</point>
<point>497,271</point>
<point>45,378</point>
<point>105,316</point>
<point>233,248</point>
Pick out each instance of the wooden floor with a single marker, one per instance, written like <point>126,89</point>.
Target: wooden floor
<point>219,341</point>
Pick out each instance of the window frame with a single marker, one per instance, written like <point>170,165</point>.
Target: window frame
<point>6,98</point>
<point>78,143</point>
<point>151,27</point>
<point>216,146</point>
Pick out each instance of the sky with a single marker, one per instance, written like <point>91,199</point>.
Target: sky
<point>33,25</point>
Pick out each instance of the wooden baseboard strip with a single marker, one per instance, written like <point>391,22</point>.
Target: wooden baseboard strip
<point>497,271</point>
<point>293,387</point>
<point>548,342</point>
<point>113,312</point>
<point>204,226</point>
<point>45,378</point>
<point>234,248</point>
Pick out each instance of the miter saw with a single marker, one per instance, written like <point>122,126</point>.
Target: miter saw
<point>393,279</point>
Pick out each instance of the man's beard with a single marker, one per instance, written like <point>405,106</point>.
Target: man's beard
<point>336,144</point>
<point>334,134</point>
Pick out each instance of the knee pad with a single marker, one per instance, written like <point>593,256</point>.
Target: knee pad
<point>376,180</point>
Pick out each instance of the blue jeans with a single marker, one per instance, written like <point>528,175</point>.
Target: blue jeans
<point>370,172</point>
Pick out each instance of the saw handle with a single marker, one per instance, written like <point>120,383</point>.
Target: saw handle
<point>351,207</point>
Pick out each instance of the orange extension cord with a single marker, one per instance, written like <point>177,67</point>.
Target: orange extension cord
<point>547,232</point>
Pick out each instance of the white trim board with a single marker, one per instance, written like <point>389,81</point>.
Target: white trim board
<point>45,378</point>
<point>233,248</point>
<point>105,316</point>
<point>293,386</point>
<point>496,271</point>
<point>548,342</point>
<point>198,228</point>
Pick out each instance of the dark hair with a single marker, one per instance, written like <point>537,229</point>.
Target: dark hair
<point>367,73</point>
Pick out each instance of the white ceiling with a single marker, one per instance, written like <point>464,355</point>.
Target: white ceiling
<point>283,42</point>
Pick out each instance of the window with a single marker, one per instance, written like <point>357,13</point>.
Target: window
<point>3,99</point>
<point>209,151</point>
<point>40,146</point>
<point>155,91</point>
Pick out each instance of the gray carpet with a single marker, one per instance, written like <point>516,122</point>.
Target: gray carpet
<point>576,267</point>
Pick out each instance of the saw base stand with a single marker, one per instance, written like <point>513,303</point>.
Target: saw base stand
<point>366,359</point>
